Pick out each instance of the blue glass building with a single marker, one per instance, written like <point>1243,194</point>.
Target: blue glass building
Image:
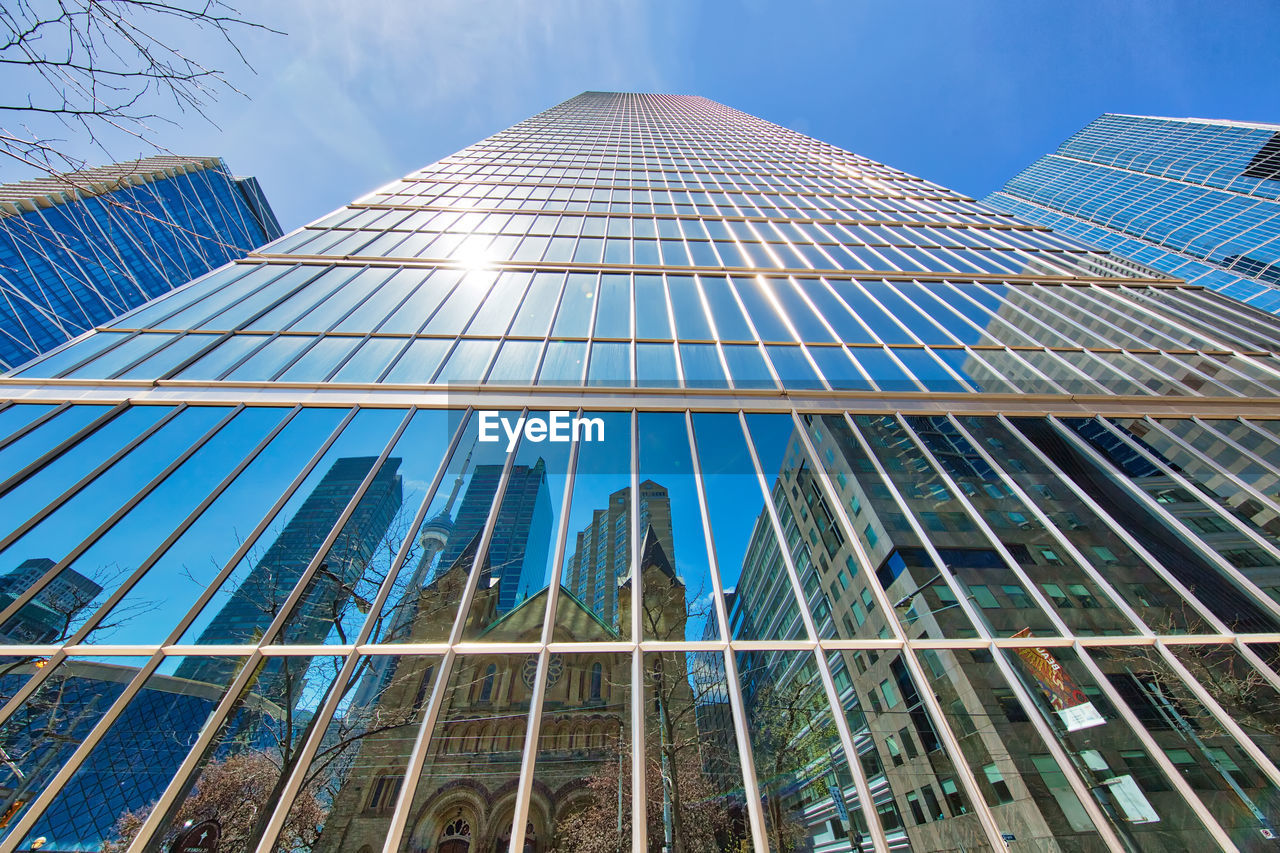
<point>1195,198</point>
<point>79,249</point>
<point>905,525</point>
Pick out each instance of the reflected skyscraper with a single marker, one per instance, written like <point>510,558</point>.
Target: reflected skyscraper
<point>521,536</point>
<point>602,550</point>
<point>1195,198</point>
<point>262,595</point>
<point>909,524</point>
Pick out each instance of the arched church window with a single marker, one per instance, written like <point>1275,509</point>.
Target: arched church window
<point>456,837</point>
<point>486,687</point>
<point>597,680</point>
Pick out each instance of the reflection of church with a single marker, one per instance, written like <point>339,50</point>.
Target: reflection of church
<point>465,798</point>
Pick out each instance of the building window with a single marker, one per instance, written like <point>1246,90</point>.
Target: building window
<point>999,787</point>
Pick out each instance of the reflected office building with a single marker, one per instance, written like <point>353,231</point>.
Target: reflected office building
<point>902,524</point>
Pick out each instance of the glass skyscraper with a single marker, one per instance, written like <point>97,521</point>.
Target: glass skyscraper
<point>1194,198</point>
<point>709,487</point>
<point>79,249</point>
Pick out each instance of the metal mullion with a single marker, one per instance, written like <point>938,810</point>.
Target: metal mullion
<point>1194,541</point>
<point>35,423</point>
<point>528,759</point>
<point>1153,749</point>
<point>1150,561</point>
<point>1228,723</point>
<point>639,784</point>
<point>927,315</point>
<point>1059,537</point>
<point>928,699</point>
<point>1059,752</point>
<point>54,786</point>
<point>304,580</point>
<point>178,785</point>
<point>319,725</point>
<point>944,571</point>
<point>1224,472</point>
<point>61,447</point>
<point>84,481</point>
<point>182,527</point>
<point>212,587</point>
<point>992,539</point>
<point>1142,306</point>
<point>1161,374</point>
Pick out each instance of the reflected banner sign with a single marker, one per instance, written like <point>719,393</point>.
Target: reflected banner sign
<point>1069,702</point>
<point>643,477</point>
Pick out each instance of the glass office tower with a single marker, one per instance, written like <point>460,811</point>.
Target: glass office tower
<point>82,248</point>
<point>1195,198</point>
<point>729,490</point>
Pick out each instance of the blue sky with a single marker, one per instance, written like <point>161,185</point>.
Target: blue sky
<point>962,93</point>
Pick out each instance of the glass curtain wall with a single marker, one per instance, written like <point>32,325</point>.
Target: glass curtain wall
<point>648,477</point>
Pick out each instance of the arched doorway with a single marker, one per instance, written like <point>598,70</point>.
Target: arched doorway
<point>456,837</point>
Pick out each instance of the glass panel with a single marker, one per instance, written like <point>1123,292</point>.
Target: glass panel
<point>58,610</point>
<point>613,320</point>
<point>595,574</point>
<point>1020,780</point>
<point>1094,537</point>
<point>334,604</point>
<point>24,450</point>
<point>583,750</point>
<point>510,600</point>
<point>136,758</point>
<point>1085,607</point>
<point>253,752</point>
<point>358,771</point>
<point>751,566</point>
<point>694,795</point>
<point>374,356</point>
<point>52,723</point>
<point>156,604</point>
<point>678,589</point>
<point>486,703</point>
<point>50,541</point>
<point>248,601</point>
<point>800,764</point>
<point>1175,549</point>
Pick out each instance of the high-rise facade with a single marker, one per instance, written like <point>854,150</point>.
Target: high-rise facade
<point>81,248</point>
<point>1194,198</point>
<point>921,527</point>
